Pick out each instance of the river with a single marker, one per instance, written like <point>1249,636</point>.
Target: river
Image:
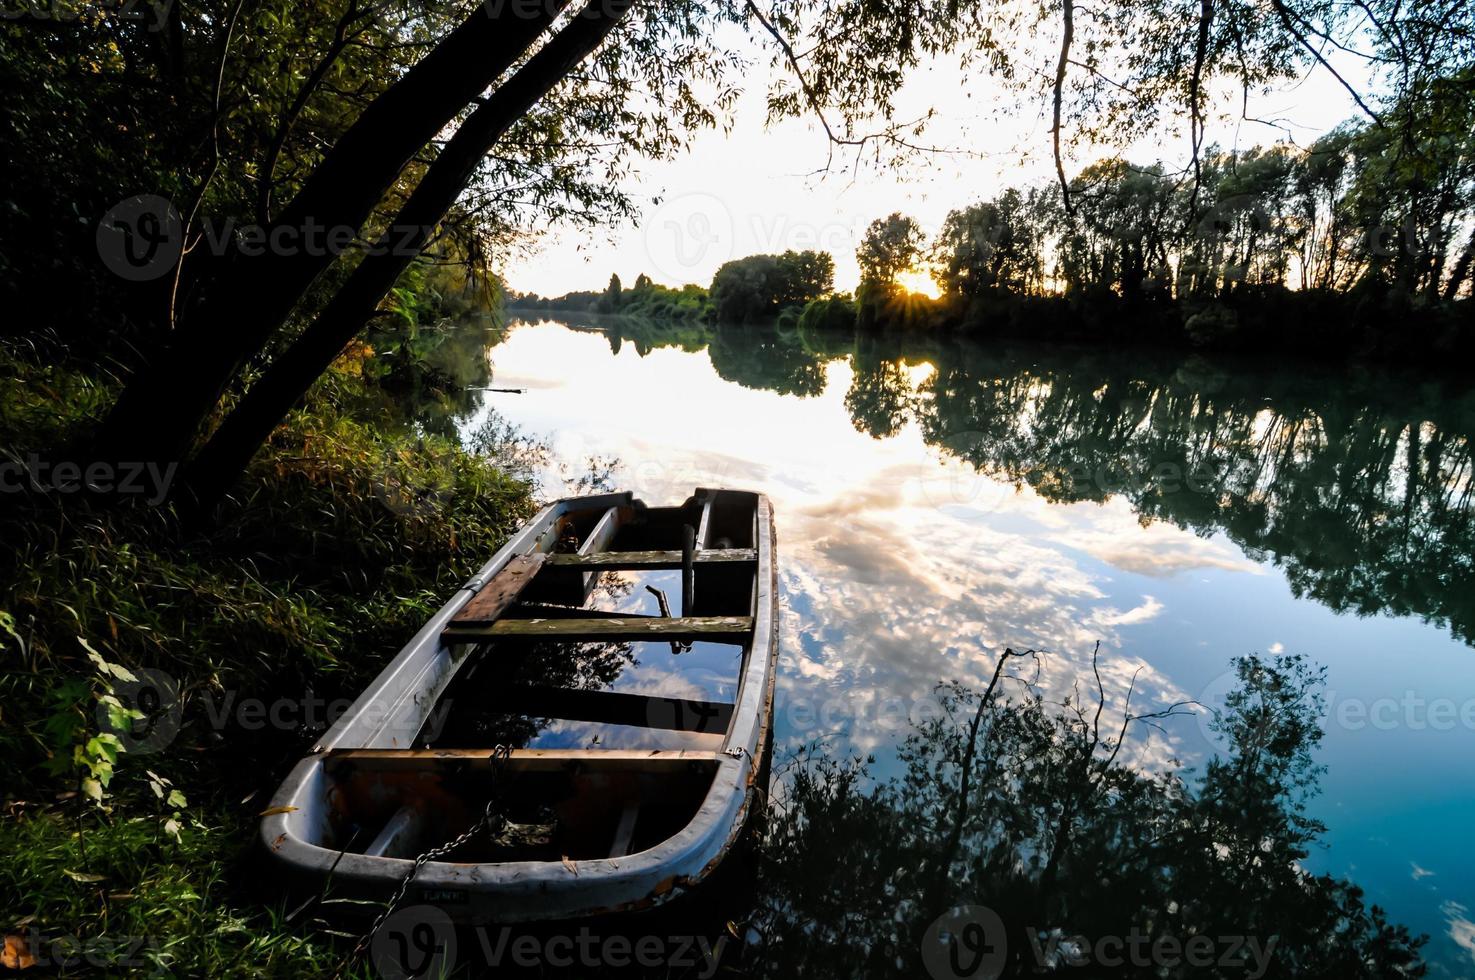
<point>939,501</point>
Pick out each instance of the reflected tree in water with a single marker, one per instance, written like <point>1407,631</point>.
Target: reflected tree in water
<point>879,398</point>
<point>764,357</point>
<point>1361,492</point>
<point>1029,808</point>
<point>1359,488</point>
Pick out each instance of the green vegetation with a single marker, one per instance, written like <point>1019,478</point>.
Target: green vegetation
<point>1351,247</point>
<point>758,288</point>
<point>174,178</point>
<point>351,527</point>
<point>761,287</point>
<point>1357,245</point>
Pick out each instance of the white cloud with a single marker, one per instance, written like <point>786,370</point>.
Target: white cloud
<point>1461,929</point>
<point>1149,610</point>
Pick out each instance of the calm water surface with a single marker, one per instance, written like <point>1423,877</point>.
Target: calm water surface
<point>938,503</point>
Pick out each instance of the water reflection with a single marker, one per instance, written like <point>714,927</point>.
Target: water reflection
<point>1360,488</point>
<point>433,376</point>
<point>937,503</point>
<point>1015,844</point>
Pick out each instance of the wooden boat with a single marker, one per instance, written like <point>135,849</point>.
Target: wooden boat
<point>636,735</point>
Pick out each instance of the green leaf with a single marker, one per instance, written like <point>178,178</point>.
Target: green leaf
<point>93,789</point>
<point>176,799</point>
<point>99,749</point>
<point>7,623</point>
<point>104,667</point>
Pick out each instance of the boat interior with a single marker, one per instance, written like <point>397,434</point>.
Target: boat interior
<point>608,658</point>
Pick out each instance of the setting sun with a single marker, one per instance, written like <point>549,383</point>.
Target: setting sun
<point>918,282</point>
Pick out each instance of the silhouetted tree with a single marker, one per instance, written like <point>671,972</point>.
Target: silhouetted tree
<point>760,286</point>
<point>892,245</point>
<point>997,245</point>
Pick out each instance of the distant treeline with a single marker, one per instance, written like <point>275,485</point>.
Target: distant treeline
<point>1359,244</point>
<point>759,288</point>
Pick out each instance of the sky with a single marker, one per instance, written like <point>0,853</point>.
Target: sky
<point>759,188</point>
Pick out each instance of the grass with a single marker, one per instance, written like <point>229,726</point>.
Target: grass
<point>349,530</point>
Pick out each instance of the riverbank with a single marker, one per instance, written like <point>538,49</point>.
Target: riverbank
<point>1315,325</point>
<point>134,836</point>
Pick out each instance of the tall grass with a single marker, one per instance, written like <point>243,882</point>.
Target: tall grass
<point>346,533</point>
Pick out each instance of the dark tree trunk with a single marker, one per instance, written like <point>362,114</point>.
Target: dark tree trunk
<point>289,376</point>
<point>163,406</point>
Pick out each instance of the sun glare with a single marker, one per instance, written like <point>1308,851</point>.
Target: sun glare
<point>918,282</point>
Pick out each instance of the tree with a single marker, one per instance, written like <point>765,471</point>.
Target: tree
<point>760,286</point>
<point>160,411</point>
<point>290,374</point>
<point>891,246</point>
<point>996,245</point>
<point>1123,227</point>
<point>610,302</point>
<point>347,142</point>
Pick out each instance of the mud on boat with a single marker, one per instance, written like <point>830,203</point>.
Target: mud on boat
<point>635,730</point>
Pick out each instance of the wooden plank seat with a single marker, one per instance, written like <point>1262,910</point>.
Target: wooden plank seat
<point>645,561</point>
<point>722,629</point>
<point>526,760</point>
<point>502,591</point>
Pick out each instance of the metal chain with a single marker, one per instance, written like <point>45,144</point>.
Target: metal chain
<point>500,755</point>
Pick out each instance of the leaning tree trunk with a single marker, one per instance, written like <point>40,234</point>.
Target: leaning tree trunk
<point>164,404</point>
<point>289,376</point>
